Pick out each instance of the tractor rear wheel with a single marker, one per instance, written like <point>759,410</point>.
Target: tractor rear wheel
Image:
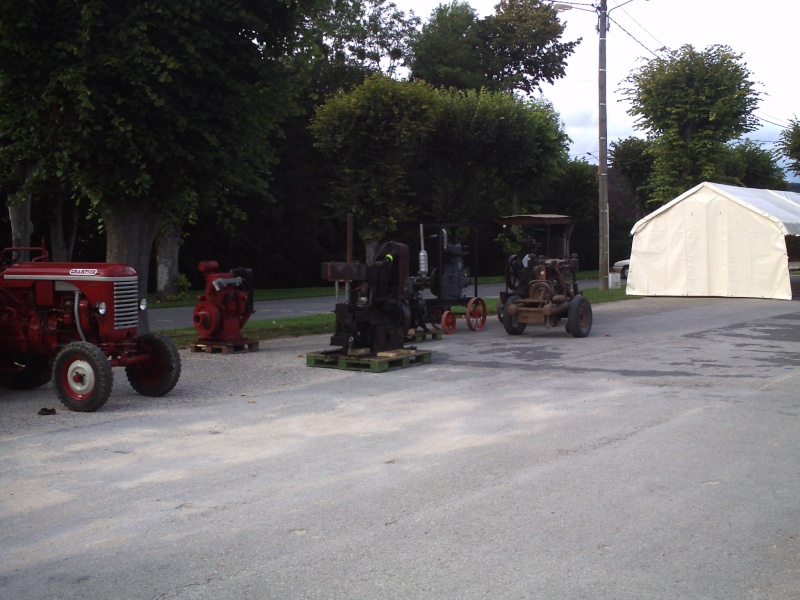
<point>158,375</point>
<point>24,372</point>
<point>82,377</point>
<point>579,317</point>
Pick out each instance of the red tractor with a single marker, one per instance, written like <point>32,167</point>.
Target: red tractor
<point>69,323</point>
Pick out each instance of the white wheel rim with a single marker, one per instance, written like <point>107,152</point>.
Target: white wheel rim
<point>80,377</point>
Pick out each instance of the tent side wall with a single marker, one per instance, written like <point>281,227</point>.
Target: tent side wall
<point>709,245</point>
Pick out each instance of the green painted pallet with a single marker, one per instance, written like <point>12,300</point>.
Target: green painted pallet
<point>379,363</point>
<point>423,336</point>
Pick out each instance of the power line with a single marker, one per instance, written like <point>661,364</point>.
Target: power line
<point>660,44</point>
<point>632,36</point>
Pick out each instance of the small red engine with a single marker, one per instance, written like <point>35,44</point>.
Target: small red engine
<point>226,305</point>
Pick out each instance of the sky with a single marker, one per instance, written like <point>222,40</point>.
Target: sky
<point>765,33</point>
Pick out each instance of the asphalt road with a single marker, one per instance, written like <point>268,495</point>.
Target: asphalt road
<point>657,458</point>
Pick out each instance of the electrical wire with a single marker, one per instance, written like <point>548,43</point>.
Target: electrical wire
<point>631,36</point>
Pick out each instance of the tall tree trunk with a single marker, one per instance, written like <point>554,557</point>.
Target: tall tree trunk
<point>62,242</point>
<point>131,229</point>
<point>19,213</point>
<point>168,244</point>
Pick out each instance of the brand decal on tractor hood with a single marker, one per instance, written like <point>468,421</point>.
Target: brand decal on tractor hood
<point>83,271</point>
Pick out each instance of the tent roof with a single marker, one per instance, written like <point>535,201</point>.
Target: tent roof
<point>781,207</point>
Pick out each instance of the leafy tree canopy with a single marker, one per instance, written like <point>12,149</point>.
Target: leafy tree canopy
<point>632,159</point>
<point>691,103</point>
<point>147,108</point>
<point>406,150</point>
<point>790,145</point>
<point>750,165</point>
<point>516,49</point>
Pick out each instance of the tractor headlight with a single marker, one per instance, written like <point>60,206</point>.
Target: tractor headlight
<point>101,307</point>
<point>142,303</point>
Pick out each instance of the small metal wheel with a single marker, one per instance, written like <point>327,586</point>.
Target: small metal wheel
<point>476,314</point>
<point>448,322</point>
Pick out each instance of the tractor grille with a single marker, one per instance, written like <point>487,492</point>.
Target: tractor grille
<point>126,304</point>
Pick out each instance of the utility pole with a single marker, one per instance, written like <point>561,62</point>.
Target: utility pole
<point>603,151</point>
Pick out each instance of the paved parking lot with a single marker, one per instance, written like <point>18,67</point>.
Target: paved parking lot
<point>657,458</point>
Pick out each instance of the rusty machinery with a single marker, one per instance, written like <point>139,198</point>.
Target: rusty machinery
<point>226,305</point>
<point>538,272</point>
<point>377,311</point>
<point>70,323</point>
<point>444,273</point>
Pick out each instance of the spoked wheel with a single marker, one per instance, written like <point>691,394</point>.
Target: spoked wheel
<point>476,314</point>
<point>82,377</point>
<point>579,317</point>
<point>158,375</point>
<point>448,322</point>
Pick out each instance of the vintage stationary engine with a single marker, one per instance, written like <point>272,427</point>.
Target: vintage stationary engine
<point>377,312</point>
<point>226,305</point>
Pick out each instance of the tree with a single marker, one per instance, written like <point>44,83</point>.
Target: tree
<point>523,36</point>
<point>373,35</point>
<point>374,134</point>
<point>790,145</point>
<point>490,153</point>
<point>515,49</point>
<point>406,151</point>
<point>146,109</point>
<point>749,165</point>
<point>632,160</point>
<point>450,52</point>
<point>691,103</point>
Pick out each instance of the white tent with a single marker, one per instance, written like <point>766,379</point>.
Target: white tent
<point>716,240</point>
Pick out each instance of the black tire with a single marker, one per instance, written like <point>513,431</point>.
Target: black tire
<point>579,317</point>
<point>158,375</point>
<point>623,274</point>
<point>82,377</point>
<point>512,326</point>
<point>512,272</point>
<point>25,373</point>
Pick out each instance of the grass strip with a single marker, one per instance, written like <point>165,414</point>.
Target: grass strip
<point>270,329</point>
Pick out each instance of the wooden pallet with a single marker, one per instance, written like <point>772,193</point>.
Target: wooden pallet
<point>374,363</point>
<point>423,336</point>
<point>224,347</point>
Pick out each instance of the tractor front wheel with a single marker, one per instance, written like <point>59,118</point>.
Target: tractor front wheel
<point>82,377</point>
<point>510,321</point>
<point>579,317</point>
<point>158,375</point>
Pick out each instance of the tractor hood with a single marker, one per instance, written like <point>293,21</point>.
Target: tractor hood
<point>68,271</point>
